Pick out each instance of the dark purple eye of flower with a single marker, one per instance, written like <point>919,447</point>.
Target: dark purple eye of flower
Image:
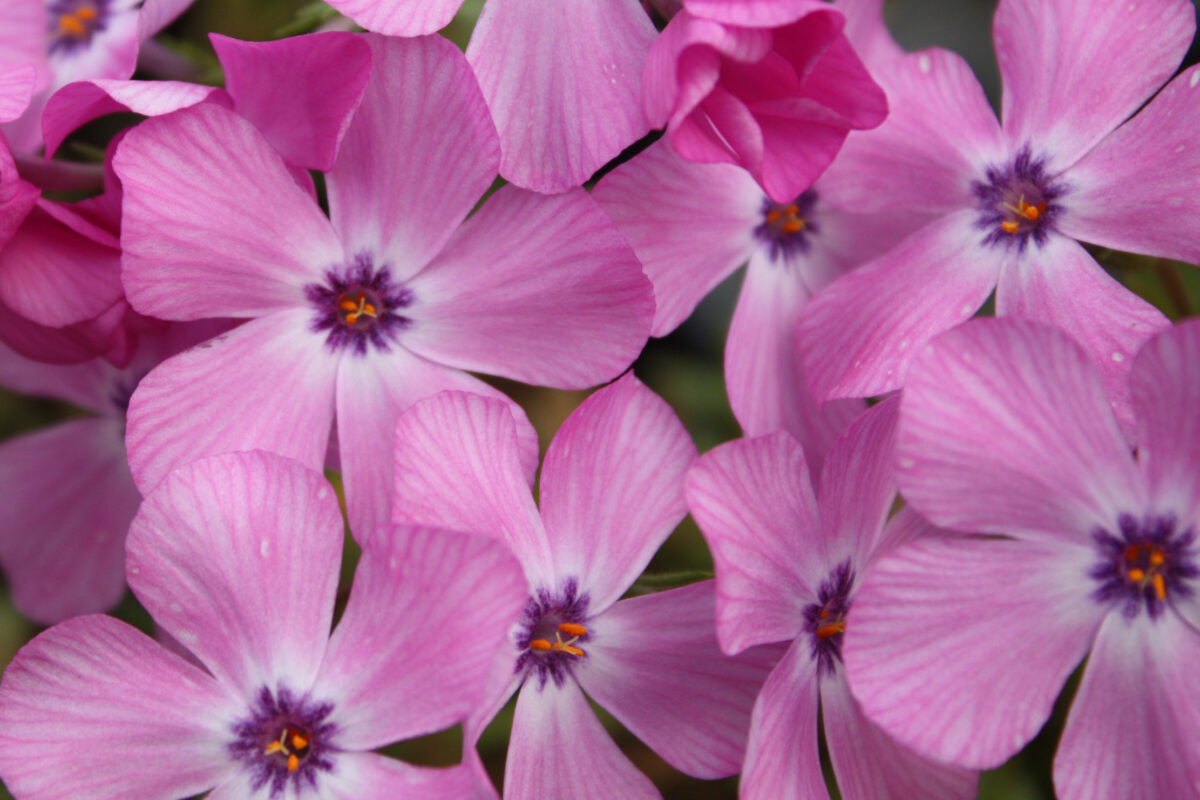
<point>1018,202</point>
<point>786,228</point>
<point>358,305</point>
<point>825,620</point>
<point>550,633</point>
<point>74,22</point>
<point>283,740</point>
<point>1147,564</point>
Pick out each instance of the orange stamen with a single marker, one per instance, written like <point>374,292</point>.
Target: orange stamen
<point>1031,212</point>
<point>274,747</point>
<point>70,25</point>
<point>293,763</point>
<point>575,651</point>
<point>792,210</point>
<point>1009,226</point>
<point>1157,558</point>
<point>1160,586</point>
<point>369,309</point>
<point>793,226</point>
<point>572,629</point>
<point>825,631</point>
<point>347,305</point>
<point>1137,575</point>
<point>774,215</point>
<point>1132,552</point>
<point>299,741</point>
<point>87,12</point>
<point>540,644</point>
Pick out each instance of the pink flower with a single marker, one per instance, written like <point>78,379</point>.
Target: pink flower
<point>389,301</point>
<point>789,565</point>
<point>237,557</point>
<point>960,645</point>
<point>611,491</point>
<point>771,87</point>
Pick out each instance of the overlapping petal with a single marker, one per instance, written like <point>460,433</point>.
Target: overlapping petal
<point>400,19</point>
<point>367,775</point>
<point>16,89</point>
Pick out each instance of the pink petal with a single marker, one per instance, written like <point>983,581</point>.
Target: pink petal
<point>420,151</point>
<point>754,502</point>
<point>155,15</point>
<point>654,664</point>
<point>1006,429</point>
<point>870,765</point>
<point>372,392</point>
<point>87,385</point>
<point>362,776</point>
<point>1132,730</point>
<point>563,82</point>
<point>71,344</point>
<point>417,584</point>
<point>958,647</point>
<point>237,556</point>
<point>17,197</point>
<point>1131,192</point>
<point>213,224</point>
<point>1075,70</point>
<point>754,13</point>
<point>300,92</point>
<point>612,487</point>
<point>16,89</point>
<point>541,289</point>
<point>859,335</point>
<point>266,385</point>
<point>70,501</point>
<point>88,698</point>
<point>400,19</point>
<point>690,224</point>
<point>867,31</point>
<point>559,749</point>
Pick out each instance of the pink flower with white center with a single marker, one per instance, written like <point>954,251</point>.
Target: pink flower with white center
<point>789,565</point>
<point>960,645</point>
<point>611,492</point>
<point>1014,201</point>
<point>237,557</point>
<point>771,87</point>
<point>389,301</point>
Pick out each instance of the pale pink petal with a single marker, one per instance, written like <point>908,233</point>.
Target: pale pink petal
<point>1132,191</point>
<point>559,749</point>
<point>372,392</point>
<point>1076,69</point>
<point>612,487</point>
<point>870,765</point>
<point>16,89</point>
<point>87,699</point>
<point>654,664</point>
<point>70,499</point>
<point>418,585</point>
<point>563,82</point>
<point>409,18</point>
<point>111,53</point>
<point>690,224</point>
<point>213,224</point>
<point>543,289</point>
<point>866,30</point>
<point>458,466</point>
<point>87,385</point>
<point>71,344</point>
<point>1006,429</point>
<point>368,776</point>
<point>300,92</point>
<point>23,36</point>
<point>420,151</point>
<point>754,13</point>
<point>1132,733</point>
<point>1059,284</point>
<point>267,385</point>
<point>237,556</point>
<point>155,15</point>
<point>754,502</point>
<point>859,334</point>
<point>958,646</point>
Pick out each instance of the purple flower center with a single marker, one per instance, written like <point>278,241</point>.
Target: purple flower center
<point>550,632</point>
<point>74,22</point>
<point>358,305</point>
<point>825,620</point>
<point>786,228</point>
<point>1018,202</point>
<point>284,740</point>
<point>1147,561</point>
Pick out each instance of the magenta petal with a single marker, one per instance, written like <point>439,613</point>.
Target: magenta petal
<point>563,82</point>
<point>91,696</point>
<point>411,18</point>
<point>1134,728</point>
<point>367,776</point>
<point>300,92</point>
<point>266,385</point>
<point>16,89</point>
<point>412,584</point>
<point>237,556</point>
<point>859,334</point>
<point>420,151</point>
<point>103,336</point>
<point>155,15</point>
<point>17,197</point>
<point>754,13</point>
<point>1006,429</point>
<point>559,749</point>
<point>1075,70</point>
<point>654,664</point>
<point>541,289</point>
<point>938,647</point>
<point>213,225</point>
<point>612,487</point>
<point>870,765</point>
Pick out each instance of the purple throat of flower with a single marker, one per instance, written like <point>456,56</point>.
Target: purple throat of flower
<point>284,740</point>
<point>1145,564</point>
<point>550,633</point>
<point>825,620</point>
<point>1018,202</point>
<point>787,228</point>
<point>73,23</point>
<point>358,306</point>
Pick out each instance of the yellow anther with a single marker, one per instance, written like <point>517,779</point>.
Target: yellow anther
<point>540,644</point>
<point>347,305</point>
<point>572,629</point>
<point>1137,575</point>
<point>1157,558</point>
<point>293,762</point>
<point>274,747</point>
<point>1160,586</point>
<point>369,310</point>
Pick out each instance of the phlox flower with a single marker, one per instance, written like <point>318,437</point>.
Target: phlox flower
<point>960,645</point>
<point>388,300</point>
<point>237,557</point>
<point>1013,201</point>
<point>611,491</point>
<point>790,561</point>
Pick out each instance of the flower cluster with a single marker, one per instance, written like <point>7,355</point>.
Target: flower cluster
<point>272,292</point>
